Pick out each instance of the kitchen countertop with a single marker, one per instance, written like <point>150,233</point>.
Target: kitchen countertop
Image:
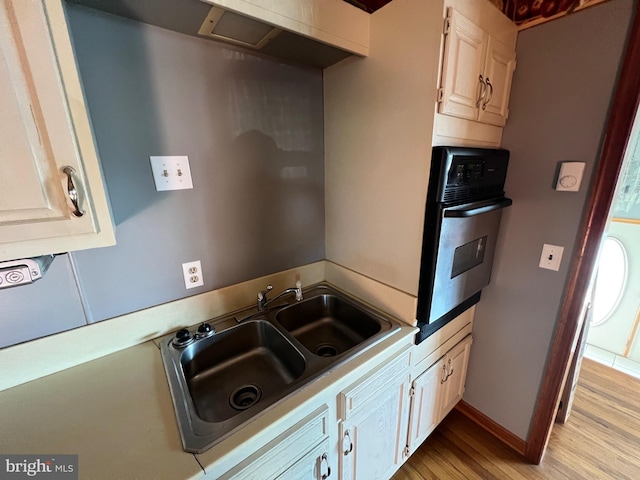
<point>116,414</point>
<point>113,408</point>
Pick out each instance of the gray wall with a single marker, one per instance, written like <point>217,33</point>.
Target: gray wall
<point>253,130</point>
<point>561,95</point>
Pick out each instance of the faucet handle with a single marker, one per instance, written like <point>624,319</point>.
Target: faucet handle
<point>298,291</point>
<point>262,295</point>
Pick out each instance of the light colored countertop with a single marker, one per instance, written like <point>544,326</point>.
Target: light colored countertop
<point>115,413</point>
<point>114,410</point>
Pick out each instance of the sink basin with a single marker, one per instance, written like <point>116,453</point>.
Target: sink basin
<point>221,382</point>
<point>234,370</point>
<point>328,326</point>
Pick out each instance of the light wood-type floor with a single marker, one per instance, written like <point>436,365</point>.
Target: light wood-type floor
<point>601,440</point>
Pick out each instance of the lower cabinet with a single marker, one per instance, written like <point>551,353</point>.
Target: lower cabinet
<point>435,392</point>
<point>315,465</point>
<point>300,453</point>
<point>454,374</point>
<point>425,405</point>
<point>373,416</point>
<point>371,426</point>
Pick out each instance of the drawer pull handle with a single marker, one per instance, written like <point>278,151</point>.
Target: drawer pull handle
<point>325,459</point>
<point>483,90</point>
<point>490,96</point>
<point>347,451</point>
<point>446,372</point>
<point>72,191</point>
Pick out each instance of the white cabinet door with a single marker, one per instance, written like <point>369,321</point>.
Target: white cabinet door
<point>300,447</point>
<point>425,405</point>
<point>499,67</point>
<point>44,127</point>
<point>372,447</point>
<point>436,391</point>
<point>313,466</point>
<point>455,374</point>
<point>374,419</point>
<point>477,70</point>
<point>463,62</point>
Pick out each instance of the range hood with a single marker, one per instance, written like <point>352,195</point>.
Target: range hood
<point>315,33</point>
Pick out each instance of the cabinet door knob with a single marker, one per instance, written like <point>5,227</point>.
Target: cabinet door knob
<point>72,191</point>
<point>483,90</point>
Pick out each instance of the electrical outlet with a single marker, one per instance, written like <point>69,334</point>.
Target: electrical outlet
<point>551,257</point>
<point>192,273</point>
<point>171,173</point>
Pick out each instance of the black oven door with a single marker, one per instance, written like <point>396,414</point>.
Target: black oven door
<point>460,263</point>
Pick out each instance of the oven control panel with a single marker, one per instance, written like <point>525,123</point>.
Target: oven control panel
<point>464,173</point>
<point>467,174</point>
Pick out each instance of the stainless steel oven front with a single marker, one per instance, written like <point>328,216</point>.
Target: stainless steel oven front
<point>464,208</point>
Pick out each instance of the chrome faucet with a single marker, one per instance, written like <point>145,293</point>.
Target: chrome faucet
<point>262,296</point>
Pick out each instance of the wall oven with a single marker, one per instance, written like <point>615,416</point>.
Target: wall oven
<point>465,199</point>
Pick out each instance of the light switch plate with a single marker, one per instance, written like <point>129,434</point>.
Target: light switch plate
<point>551,257</point>
<point>171,172</point>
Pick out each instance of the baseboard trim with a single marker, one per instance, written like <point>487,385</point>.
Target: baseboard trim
<point>498,431</point>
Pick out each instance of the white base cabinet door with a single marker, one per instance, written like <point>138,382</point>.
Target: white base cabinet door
<point>454,375</point>
<point>314,465</point>
<point>52,197</point>
<point>300,453</point>
<point>436,392</point>
<point>425,405</point>
<point>373,427</point>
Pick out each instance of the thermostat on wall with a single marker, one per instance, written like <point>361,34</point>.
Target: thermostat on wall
<point>570,176</point>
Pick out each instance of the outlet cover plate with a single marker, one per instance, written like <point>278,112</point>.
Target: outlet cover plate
<point>192,273</point>
<point>171,173</point>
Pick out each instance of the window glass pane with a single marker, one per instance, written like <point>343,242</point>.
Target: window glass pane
<point>611,281</point>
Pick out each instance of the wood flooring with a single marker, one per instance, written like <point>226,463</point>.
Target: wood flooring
<point>601,440</point>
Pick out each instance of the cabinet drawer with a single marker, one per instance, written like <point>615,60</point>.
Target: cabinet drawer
<point>371,387</point>
<point>281,453</point>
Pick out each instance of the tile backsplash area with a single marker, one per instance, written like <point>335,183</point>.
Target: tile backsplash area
<point>252,128</point>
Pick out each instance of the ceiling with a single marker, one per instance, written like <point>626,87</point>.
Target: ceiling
<point>524,13</point>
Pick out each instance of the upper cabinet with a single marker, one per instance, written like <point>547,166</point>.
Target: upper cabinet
<point>52,197</point>
<point>498,71</point>
<point>476,73</point>
<point>478,61</point>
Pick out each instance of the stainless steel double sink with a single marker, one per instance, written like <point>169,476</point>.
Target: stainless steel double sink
<point>222,381</point>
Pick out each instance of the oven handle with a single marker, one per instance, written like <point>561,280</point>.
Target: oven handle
<point>477,208</point>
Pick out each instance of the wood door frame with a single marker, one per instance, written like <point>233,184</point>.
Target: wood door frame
<point>594,221</point>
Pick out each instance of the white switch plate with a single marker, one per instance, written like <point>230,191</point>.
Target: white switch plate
<point>171,172</point>
<point>551,257</point>
<point>192,273</point>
